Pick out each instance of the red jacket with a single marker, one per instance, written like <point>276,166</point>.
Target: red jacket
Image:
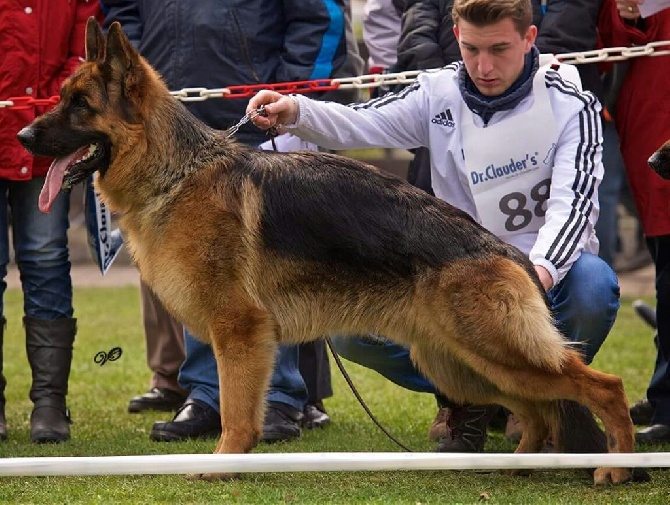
<point>643,112</point>
<point>41,43</point>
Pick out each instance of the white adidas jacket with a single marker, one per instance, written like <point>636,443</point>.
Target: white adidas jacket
<point>410,119</point>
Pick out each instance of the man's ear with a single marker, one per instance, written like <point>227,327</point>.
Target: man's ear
<point>122,61</point>
<point>531,36</point>
<point>456,32</point>
<point>95,43</point>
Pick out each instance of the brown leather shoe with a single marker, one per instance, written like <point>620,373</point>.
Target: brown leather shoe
<point>438,428</point>
<point>513,429</point>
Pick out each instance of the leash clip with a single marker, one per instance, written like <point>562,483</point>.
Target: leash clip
<point>271,132</point>
<point>245,119</point>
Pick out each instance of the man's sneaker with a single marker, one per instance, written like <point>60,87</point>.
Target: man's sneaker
<point>466,428</point>
<point>641,412</point>
<point>282,423</point>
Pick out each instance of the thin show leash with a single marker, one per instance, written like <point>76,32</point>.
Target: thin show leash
<point>272,133</point>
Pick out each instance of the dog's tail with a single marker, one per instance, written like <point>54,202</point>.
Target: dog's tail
<point>575,429</point>
<point>577,432</point>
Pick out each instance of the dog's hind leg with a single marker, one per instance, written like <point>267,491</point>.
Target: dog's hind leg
<point>604,395</point>
<point>536,430</point>
<point>244,345</point>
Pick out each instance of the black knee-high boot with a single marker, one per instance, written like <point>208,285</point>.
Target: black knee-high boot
<point>49,348</point>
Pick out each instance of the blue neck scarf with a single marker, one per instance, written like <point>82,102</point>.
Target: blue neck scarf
<point>486,106</point>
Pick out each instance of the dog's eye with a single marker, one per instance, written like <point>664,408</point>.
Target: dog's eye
<point>79,101</point>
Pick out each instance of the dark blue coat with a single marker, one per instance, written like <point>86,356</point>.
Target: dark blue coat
<point>219,43</point>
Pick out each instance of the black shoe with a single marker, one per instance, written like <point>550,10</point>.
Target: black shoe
<point>655,434</point>
<point>163,399</point>
<point>314,416</point>
<point>466,428</point>
<point>194,420</point>
<point>282,423</point>
<point>641,412</point>
<point>646,313</point>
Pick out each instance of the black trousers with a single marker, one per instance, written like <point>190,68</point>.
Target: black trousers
<point>314,367</point>
<point>659,386</point>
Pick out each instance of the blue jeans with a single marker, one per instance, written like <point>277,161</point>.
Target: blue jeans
<point>198,375</point>
<point>585,305</point>
<point>40,247</point>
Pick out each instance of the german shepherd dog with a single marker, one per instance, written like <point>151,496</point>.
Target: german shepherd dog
<point>250,249</point>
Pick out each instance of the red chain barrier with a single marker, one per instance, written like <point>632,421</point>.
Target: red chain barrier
<point>27,102</point>
<point>242,91</point>
<point>318,85</point>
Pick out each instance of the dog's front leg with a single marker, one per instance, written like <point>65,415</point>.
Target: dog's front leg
<point>244,346</point>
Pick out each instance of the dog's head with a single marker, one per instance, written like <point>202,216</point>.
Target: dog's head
<point>660,161</point>
<point>98,111</point>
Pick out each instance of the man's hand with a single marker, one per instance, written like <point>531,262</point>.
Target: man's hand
<point>280,109</point>
<point>545,277</point>
<point>628,9</point>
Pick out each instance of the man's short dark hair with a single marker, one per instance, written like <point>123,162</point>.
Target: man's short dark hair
<point>488,12</point>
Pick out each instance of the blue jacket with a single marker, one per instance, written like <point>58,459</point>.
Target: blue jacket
<point>219,43</point>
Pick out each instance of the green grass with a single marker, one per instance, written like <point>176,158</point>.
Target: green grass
<point>99,395</point>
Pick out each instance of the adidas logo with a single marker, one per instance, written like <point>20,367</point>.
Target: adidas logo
<point>444,118</point>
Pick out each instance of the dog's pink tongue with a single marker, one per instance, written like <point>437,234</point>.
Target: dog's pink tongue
<point>54,180</point>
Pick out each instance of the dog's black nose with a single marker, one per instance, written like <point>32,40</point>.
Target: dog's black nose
<point>26,136</point>
<point>660,162</point>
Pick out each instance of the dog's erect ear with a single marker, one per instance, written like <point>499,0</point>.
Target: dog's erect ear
<point>121,55</point>
<point>95,43</point>
<point>122,61</point>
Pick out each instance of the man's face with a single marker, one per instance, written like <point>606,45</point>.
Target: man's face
<point>494,55</point>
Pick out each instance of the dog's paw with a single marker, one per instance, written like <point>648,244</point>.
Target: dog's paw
<point>213,477</point>
<point>606,476</point>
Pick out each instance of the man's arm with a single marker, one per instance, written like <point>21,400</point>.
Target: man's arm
<point>393,121</point>
<point>425,42</point>
<point>314,40</point>
<point>381,28</point>
<point>572,207</point>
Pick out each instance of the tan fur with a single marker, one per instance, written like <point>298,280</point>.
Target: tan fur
<point>478,328</point>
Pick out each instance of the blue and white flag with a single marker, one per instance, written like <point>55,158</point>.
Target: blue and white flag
<point>105,243</point>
